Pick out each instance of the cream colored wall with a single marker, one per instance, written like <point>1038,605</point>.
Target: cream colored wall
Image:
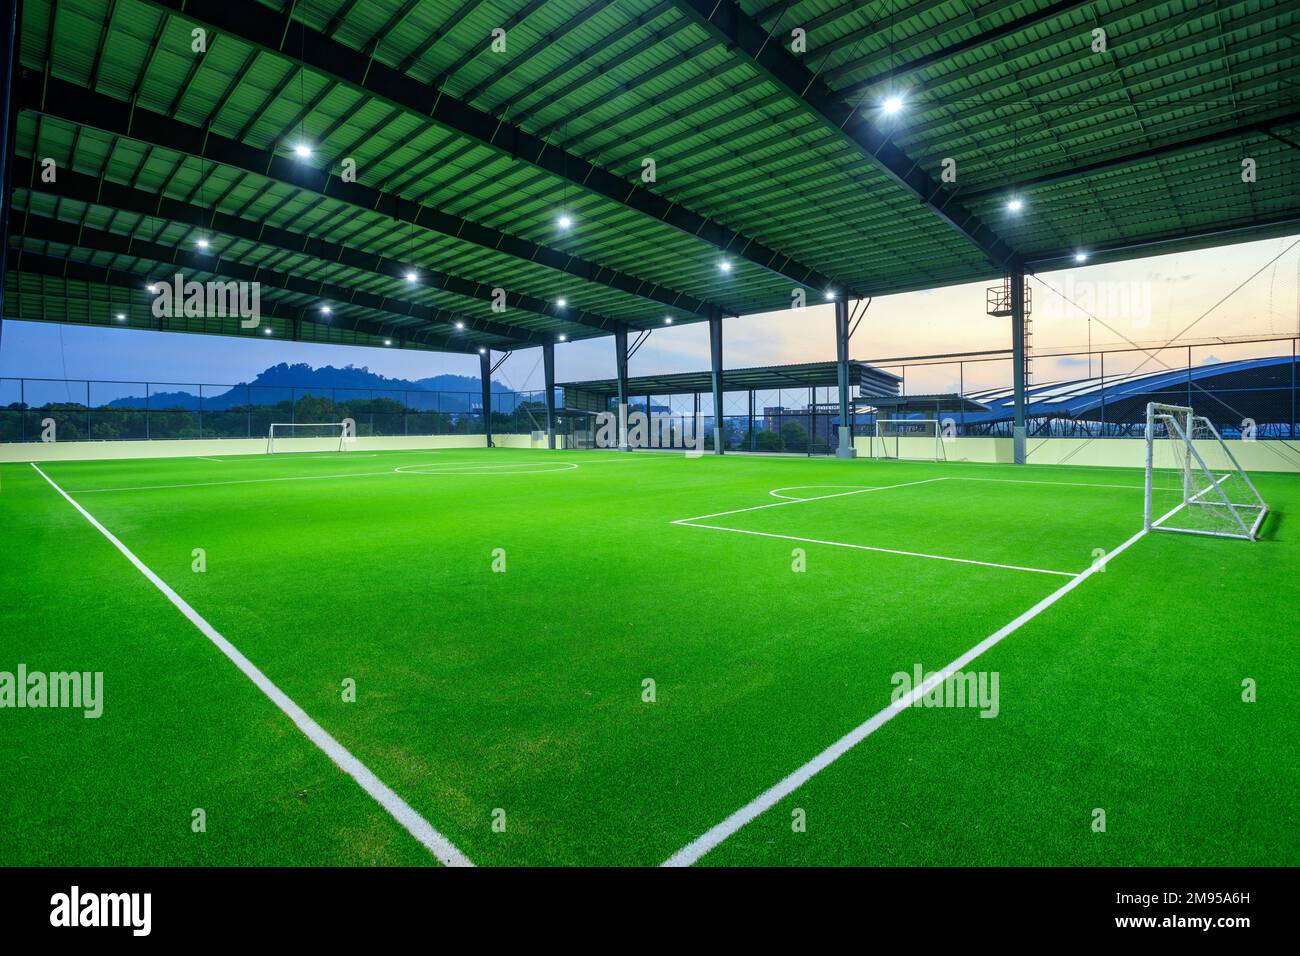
<point>524,441</point>
<point>1100,452</point>
<point>181,448</point>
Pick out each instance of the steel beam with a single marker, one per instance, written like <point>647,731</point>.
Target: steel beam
<point>9,44</point>
<point>548,374</point>
<point>946,51</point>
<point>278,32</point>
<point>90,189</point>
<point>1018,363</point>
<point>845,447</point>
<point>485,376</point>
<point>715,378</point>
<point>60,99</point>
<point>730,26</point>
<point>1267,228</point>
<point>620,372</point>
<point>1232,136</point>
<point>35,263</point>
<point>40,227</point>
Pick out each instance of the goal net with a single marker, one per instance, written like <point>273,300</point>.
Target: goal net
<point>307,436</point>
<point>1193,481</point>
<point>915,439</point>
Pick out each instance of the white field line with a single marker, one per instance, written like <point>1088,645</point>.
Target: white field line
<point>1029,481</point>
<point>237,481</point>
<point>397,808</point>
<point>702,844</point>
<point>488,471</point>
<point>358,474</point>
<point>1214,484</point>
<point>864,547</point>
<point>219,461</point>
<point>776,492</point>
<point>800,501</point>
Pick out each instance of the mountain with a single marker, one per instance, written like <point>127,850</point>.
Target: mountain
<point>316,380</point>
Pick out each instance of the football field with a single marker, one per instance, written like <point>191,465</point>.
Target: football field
<point>513,657</point>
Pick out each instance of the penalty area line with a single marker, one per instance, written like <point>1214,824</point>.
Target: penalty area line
<point>689,523</point>
<point>858,490</point>
<point>397,808</point>
<point>769,798</point>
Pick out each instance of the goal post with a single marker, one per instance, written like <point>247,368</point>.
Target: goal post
<point>1194,483</point>
<point>307,436</point>
<point>915,439</point>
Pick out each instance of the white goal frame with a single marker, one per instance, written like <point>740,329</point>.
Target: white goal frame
<point>341,426</point>
<point>1182,421</point>
<point>882,441</point>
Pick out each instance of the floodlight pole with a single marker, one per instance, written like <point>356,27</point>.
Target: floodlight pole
<point>620,368</point>
<point>715,357</point>
<point>485,373</point>
<point>548,372</point>
<point>1018,361</point>
<point>845,449</point>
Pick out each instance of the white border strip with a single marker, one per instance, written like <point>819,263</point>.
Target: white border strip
<point>701,845</point>
<point>397,808</point>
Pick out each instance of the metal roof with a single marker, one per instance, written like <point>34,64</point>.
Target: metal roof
<point>807,375</point>
<point>951,402</point>
<point>776,158</point>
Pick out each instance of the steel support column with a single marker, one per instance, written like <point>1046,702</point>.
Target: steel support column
<point>1018,362</point>
<point>845,448</point>
<point>8,125</point>
<point>620,367</point>
<point>548,372</point>
<point>715,357</point>
<point>485,373</point>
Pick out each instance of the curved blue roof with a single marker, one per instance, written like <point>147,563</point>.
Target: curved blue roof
<point>1259,388</point>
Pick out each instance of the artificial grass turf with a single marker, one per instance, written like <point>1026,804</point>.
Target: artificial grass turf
<point>523,690</point>
<point>181,728</point>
